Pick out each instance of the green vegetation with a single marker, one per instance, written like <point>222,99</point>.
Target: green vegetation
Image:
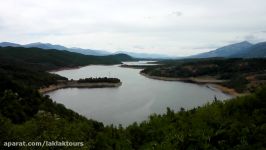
<point>26,115</point>
<point>25,75</point>
<point>54,59</point>
<point>97,80</point>
<point>244,75</point>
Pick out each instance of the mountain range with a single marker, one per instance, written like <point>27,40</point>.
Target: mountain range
<point>243,49</point>
<point>57,47</point>
<point>85,51</point>
<point>238,50</point>
<point>255,51</point>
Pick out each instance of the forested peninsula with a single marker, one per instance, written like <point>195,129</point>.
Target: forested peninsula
<point>234,76</point>
<point>83,83</point>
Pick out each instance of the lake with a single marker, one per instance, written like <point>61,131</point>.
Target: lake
<point>135,100</point>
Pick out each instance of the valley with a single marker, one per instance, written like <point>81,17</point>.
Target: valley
<point>126,119</point>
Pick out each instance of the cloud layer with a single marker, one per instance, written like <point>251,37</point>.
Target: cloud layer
<point>178,27</point>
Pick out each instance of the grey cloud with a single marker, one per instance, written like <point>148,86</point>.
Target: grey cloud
<point>3,25</point>
<point>236,40</point>
<point>250,38</point>
<point>171,14</point>
<point>206,47</point>
<point>177,13</point>
<point>148,17</point>
<point>138,47</point>
<point>255,37</point>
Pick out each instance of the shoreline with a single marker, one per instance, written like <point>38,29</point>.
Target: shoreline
<point>209,83</point>
<point>75,84</point>
<point>134,66</point>
<point>78,67</point>
<point>64,68</point>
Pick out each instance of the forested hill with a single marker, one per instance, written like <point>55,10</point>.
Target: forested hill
<point>54,59</point>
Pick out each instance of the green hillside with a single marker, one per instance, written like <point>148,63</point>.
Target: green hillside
<point>54,59</point>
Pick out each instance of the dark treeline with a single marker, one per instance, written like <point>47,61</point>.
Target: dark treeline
<point>244,75</point>
<point>97,80</point>
<point>208,67</point>
<point>25,75</point>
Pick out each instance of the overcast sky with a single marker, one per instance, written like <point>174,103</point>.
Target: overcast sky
<point>176,27</point>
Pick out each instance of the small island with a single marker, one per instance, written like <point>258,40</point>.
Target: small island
<point>83,83</point>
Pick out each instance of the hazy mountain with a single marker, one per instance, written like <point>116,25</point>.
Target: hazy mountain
<point>94,52</point>
<point>89,51</point>
<point>256,51</point>
<point>145,55</point>
<point>6,44</point>
<point>121,57</point>
<point>45,46</point>
<point>226,51</point>
<point>60,47</point>
<point>85,51</point>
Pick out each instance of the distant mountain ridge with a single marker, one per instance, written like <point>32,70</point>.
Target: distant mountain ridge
<point>238,50</point>
<point>85,51</point>
<point>6,44</point>
<point>57,47</point>
<point>255,51</point>
<point>45,46</point>
<point>225,51</point>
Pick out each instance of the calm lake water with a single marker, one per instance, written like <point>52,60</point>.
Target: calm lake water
<point>135,100</point>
